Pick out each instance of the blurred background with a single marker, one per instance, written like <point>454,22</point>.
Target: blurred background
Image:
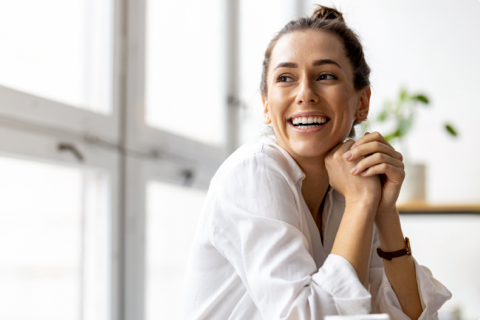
<point>115,114</point>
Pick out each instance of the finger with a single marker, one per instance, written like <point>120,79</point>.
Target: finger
<point>333,152</point>
<point>369,137</point>
<point>339,150</point>
<point>376,159</point>
<point>334,149</point>
<point>393,173</point>
<point>344,146</point>
<point>347,145</point>
<point>370,148</point>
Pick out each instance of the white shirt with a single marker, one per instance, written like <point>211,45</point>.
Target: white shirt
<point>258,254</point>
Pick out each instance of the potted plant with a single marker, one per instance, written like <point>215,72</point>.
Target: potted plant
<point>399,115</point>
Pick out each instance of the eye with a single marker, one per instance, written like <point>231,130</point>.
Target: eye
<point>326,76</point>
<point>284,79</point>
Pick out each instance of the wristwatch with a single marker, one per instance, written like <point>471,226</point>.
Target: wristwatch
<point>390,255</point>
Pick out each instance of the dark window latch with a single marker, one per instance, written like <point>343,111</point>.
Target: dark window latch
<point>188,177</point>
<point>70,147</point>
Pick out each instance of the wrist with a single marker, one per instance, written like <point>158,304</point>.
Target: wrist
<point>363,201</point>
<point>367,206</point>
<point>385,216</point>
<point>389,230</point>
<point>387,209</point>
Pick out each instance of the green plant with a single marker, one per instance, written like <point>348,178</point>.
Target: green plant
<point>401,112</point>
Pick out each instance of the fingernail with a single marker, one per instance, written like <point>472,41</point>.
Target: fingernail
<point>364,173</point>
<point>353,146</point>
<point>348,156</point>
<point>353,170</point>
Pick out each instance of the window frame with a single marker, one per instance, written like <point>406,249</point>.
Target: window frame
<point>28,108</point>
<point>33,127</point>
<point>18,141</point>
<point>139,133</point>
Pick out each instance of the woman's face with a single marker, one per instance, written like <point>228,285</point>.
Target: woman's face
<point>311,101</point>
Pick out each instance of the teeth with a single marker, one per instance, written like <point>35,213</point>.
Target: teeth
<point>308,127</point>
<point>309,120</point>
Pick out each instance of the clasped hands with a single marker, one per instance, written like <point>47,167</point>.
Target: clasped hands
<point>369,169</point>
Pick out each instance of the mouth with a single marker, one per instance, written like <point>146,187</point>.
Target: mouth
<point>306,123</point>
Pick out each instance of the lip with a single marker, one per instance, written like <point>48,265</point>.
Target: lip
<point>307,114</point>
<point>307,131</point>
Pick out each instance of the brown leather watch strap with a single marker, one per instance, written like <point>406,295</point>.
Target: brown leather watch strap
<point>390,255</point>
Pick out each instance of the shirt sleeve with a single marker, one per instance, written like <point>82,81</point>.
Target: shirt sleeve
<point>432,293</point>
<point>256,226</point>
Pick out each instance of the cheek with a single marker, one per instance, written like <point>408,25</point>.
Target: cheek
<point>278,104</point>
<point>277,94</point>
<point>353,104</point>
<point>347,102</point>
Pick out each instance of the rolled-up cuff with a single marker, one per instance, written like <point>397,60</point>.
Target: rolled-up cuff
<point>338,277</point>
<point>432,294</point>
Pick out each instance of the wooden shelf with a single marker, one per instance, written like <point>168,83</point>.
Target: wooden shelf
<point>424,207</point>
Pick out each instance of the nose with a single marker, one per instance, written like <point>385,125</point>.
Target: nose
<point>307,94</point>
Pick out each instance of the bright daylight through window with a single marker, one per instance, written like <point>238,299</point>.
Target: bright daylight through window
<point>54,242</point>
<point>59,50</point>
<point>183,69</point>
<point>171,221</point>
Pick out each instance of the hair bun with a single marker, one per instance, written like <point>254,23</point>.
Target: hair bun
<point>326,13</point>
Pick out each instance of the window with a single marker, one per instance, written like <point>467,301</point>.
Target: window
<point>183,81</point>
<point>171,221</point>
<point>54,241</point>
<point>58,160</point>
<point>59,50</point>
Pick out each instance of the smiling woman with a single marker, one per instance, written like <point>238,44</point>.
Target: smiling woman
<point>297,229</point>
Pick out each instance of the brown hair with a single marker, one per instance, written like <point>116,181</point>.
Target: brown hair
<point>327,20</point>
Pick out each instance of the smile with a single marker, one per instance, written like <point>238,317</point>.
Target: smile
<point>308,124</point>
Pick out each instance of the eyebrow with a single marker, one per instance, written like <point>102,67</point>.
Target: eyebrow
<point>316,63</point>
<point>325,61</point>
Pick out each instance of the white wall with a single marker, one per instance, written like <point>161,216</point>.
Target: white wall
<point>428,46</point>
<point>453,259</point>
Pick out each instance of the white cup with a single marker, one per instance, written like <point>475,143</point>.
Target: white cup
<point>379,316</point>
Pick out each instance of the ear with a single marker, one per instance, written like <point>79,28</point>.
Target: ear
<point>363,104</point>
<point>266,112</point>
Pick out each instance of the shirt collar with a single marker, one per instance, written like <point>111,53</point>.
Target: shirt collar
<point>298,174</point>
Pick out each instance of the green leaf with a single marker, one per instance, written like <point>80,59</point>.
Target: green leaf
<point>382,116</point>
<point>451,130</point>
<point>393,135</point>
<point>421,98</point>
<point>403,95</point>
<point>403,126</point>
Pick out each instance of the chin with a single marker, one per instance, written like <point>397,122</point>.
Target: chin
<point>310,149</point>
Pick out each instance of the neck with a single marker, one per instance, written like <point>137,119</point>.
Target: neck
<point>315,184</point>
